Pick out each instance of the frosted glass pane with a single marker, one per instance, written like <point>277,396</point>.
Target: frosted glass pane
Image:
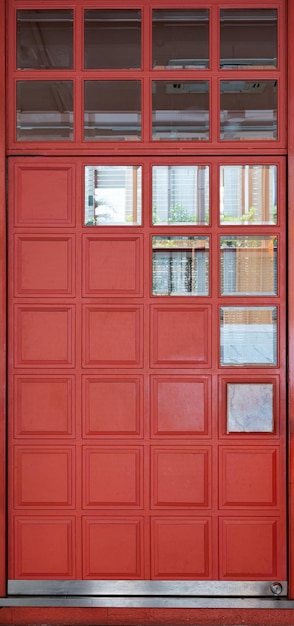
<point>113,195</point>
<point>180,194</point>
<point>248,335</point>
<point>249,407</point>
<point>180,266</point>
<point>248,265</point>
<point>248,194</point>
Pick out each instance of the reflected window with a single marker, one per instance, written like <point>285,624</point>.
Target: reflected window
<point>180,266</point>
<point>112,110</point>
<point>112,39</point>
<point>113,195</point>
<point>248,110</point>
<point>44,110</point>
<point>248,265</point>
<point>180,111</point>
<point>248,38</point>
<point>180,194</point>
<point>44,39</point>
<point>248,336</point>
<point>180,39</point>
<point>250,408</point>
<point>248,194</point>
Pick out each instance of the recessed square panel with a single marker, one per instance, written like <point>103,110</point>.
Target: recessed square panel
<point>250,407</point>
<point>249,548</point>
<point>112,477</point>
<point>248,477</point>
<point>44,195</point>
<point>44,336</point>
<point>44,406</point>
<point>181,336</point>
<point>44,548</point>
<point>112,266</point>
<point>180,406</point>
<point>112,406</point>
<point>44,265</point>
<point>44,477</point>
<point>181,548</point>
<point>112,336</point>
<point>180,477</point>
<point>113,548</point>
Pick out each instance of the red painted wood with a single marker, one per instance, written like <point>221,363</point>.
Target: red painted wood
<point>150,469</point>
<point>291,295</point>
<point>165,479</point>
<point>2,304</point>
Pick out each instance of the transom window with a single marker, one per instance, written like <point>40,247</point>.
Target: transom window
<point>85,75</point>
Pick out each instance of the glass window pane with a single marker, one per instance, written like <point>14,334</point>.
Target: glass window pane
<point>180,266</point>
<point>180,194</point>
<point>250,408</point>
<point>248,110</point>
<point>248,335</point>
<point>248,265</point>
<point>113,195</point>
<point>112,39</point>
<point>248,194</point>
<point>248,38</point>
<point>112,110</point>
<point>180,111</point>
<point>44,39</point>
<point>44,110</point>
<point>180,38</point>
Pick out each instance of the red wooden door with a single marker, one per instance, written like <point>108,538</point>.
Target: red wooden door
<point>147,355</point>
<point>147,424</point>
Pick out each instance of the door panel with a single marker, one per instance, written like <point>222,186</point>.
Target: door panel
<point>146,430</point>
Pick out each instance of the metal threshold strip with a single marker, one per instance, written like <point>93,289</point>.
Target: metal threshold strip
<point>138,593</point>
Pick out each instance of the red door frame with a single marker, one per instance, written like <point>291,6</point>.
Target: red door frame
<point>3,298</point>
<point>2,305</point>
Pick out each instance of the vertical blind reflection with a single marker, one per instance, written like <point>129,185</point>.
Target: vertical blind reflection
<point>248,265</point>
<point>180,194</point>
<point>248,194</point>
<point>180,38</point>
<point>112,110</point>
<point>248,335</point>
<point>44,110</point>
<point>180,266</point>
<point>113,195</point>
<point>44,39</point>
